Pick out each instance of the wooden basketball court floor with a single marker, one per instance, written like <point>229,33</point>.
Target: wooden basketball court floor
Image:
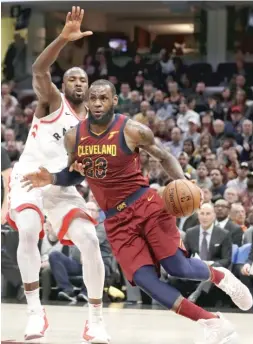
<point>126,326</point>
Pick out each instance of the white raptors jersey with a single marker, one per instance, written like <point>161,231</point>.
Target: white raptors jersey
<point>45,142</point>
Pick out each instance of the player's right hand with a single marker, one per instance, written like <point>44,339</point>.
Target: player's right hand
<point>78,167</point>
<point>71,30</point>
<point>37,179</point>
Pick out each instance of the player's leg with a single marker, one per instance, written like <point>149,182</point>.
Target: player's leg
<point>83,234</point>
<point>28,222</point>
<point>180,266</point>
<point>146,278</point>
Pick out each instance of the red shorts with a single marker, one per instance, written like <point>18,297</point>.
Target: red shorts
<point>143,234</point>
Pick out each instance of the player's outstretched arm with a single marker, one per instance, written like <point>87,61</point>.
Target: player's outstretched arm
<point>45,90</point>
<point>138,135</point>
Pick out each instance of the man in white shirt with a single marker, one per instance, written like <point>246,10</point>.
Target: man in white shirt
<point>184,114</point>
<point>240,183</point>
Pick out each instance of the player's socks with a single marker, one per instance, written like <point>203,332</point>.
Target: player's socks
<point>216,275</point>
<point>33,299</point>
<point>189,310</point>
<point>95,312</point>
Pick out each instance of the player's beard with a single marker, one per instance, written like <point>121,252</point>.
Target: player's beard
<point>105,119</point>
<point>74,99</point>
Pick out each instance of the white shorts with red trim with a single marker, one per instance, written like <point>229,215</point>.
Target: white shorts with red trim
<point>60,204</point>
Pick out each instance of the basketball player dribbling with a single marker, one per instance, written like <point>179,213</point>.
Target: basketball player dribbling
<point>65,208</point>
<point>105,148</point>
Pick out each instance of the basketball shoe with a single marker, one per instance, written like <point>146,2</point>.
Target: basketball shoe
<point>216,331</point>
<point>238,292</point>
<point>94,332</point>
<point>37,324</point>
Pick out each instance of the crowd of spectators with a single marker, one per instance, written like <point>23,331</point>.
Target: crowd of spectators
<point>211,134</point>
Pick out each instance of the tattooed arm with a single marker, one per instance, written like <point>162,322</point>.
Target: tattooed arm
<point>138,135</point>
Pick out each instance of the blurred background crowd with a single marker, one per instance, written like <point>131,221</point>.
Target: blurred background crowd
<point>199,104</point>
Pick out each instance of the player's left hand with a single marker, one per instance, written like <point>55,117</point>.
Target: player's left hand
<point>78,167</point>
<point>37,179</point>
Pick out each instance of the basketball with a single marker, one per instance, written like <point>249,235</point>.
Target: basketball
<point>181,198</point>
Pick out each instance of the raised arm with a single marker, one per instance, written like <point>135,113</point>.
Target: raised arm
<point>138,135</point>
<point>45,90</point>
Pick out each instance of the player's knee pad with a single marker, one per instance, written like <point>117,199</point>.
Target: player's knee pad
<point>29,225</point>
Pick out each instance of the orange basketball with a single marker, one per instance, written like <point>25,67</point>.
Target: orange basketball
<point>181,198</point>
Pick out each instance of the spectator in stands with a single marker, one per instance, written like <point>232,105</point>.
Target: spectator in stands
<point>142,116</point>
<point>20,126</point>
<point>203,180</point>
<point>240,183</point>
<point>154,174</point>
<point>242,271</point>
<point>13,151</point>
<point>183,159</point>
<point>192,132</point>
<point>176,143</point>
<point>218,127</point>
<point>152,119</point>
<point>236,118</point>
<point>186,85</point>
<point>247,140</point>
<point>165,65</point>
<point>206,123</point>
<point>200,96</point>
<point>225,101</point>
<point>158,101</point>
<point>174,96</point>
<point>134,106</point>
<point>136,65</point>
<point>184,114</point>
<point>238,215</point>
<point>222,209</point>
<point>209,242</point>
<point>189,148</point>
<point>207,195</point>
<point>102,67</point>
<point>247,195</point>
<point>148,92</point>
<point>231,195</point>
<point>89,65</point>
<point>138,82</point>
<point>124,98</point>
<point>240,83</point>
<point>114,80</point>
<point>9,104</point>
<point>217,181</point>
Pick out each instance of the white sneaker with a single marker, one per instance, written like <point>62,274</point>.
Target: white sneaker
<point>94,332</point>
<point>217,331</point>
<point>37,324</point>
<point>238,292</point>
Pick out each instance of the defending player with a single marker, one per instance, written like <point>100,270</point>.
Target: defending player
<point>65,208</point>
<point>141,233</point>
